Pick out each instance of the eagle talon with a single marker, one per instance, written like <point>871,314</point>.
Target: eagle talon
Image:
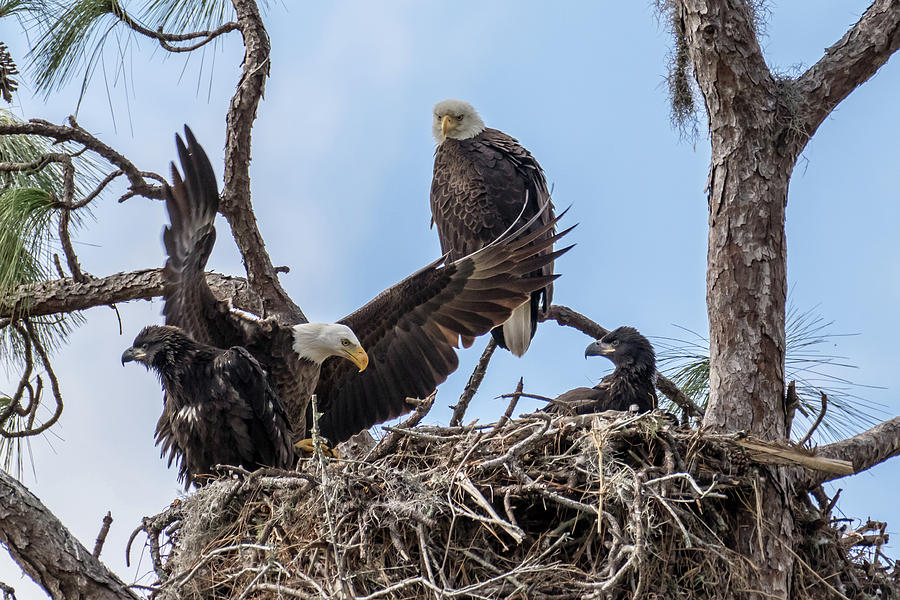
<point>306,447</point>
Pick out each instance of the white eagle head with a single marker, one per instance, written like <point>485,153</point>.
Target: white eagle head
<point>317,341</point>
<point>455,119</point>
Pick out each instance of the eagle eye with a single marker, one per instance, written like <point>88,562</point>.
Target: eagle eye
<point>615,342</point>
<point>345,342</point>
<point>459,117</point>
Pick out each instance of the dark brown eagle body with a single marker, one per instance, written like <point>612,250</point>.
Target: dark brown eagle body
<point>482,187</point>
<point>631,384</point>
<point>192,204</point>
<point>410,329</point>
<point>218,408</point>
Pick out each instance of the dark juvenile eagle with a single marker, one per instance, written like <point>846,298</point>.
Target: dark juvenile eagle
<point>218,407</point>
<point>485,182</point>
<point>410,329</point>
<point>630,384</point>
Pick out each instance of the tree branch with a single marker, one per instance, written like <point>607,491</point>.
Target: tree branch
<point>236,205</point>
<point>48,552</point>
<point>164,39</point>
<point>848,64</point>
<point>567,317</point>
<point>68,295</point>
<point>459,409</point>
<point>864,450</point>
<point>74,133</point>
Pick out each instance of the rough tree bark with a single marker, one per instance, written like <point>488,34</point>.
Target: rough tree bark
<point>758,125</point>
<point>236,193</point>
<point>67,295</point>
<point>49,553</point>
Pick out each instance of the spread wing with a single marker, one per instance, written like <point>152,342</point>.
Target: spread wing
<point>411,329</point>
<point>192,204</point>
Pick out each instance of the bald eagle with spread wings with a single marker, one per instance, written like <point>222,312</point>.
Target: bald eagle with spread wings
<point>484,183</point>
<point>410,330</point>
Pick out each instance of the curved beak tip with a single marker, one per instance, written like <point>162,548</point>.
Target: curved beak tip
<point>361,359</point>
<point>594,349</point>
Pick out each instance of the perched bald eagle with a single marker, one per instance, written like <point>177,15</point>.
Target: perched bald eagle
<point>484,183</point>
<point>410,329</point>
<point>630,384</point>
<point>218,408</point>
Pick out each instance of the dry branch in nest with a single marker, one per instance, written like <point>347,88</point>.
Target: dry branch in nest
<point>594,506</point>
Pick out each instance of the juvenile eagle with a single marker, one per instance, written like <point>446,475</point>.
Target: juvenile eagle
<point>218,408</point>
<point>484,183</point>
<point>630,384</point>
<point>410,329</point>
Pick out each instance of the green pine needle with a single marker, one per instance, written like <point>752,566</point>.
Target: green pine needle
<point>178,16</point>
<point>72,35</point>
<point>686,363</point>
<point>28,226</point>
<point>25,220</point>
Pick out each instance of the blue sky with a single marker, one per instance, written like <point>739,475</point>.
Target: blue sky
<point>342,156</point>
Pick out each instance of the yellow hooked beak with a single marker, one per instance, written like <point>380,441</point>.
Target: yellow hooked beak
<point>358,357</point>
<point>448,123</point>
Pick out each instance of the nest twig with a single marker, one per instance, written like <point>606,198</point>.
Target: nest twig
<point>594,506</point>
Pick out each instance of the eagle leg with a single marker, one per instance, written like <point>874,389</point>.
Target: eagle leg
<point>306,448</point>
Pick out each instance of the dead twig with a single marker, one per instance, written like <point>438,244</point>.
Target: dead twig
<point>817,422</point>
<point>459,409</point>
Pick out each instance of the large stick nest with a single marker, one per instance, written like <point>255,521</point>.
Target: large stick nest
<point>596,506</point>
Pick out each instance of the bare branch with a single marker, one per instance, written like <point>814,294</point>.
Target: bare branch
<point>849,63</point>
<point>236,205</point>
<point>459,410</point>
<point>570,318</point>
<point>818,421</point>
<point>74,133</point>
<point>68,249</point>
<point>48,552</point>
<point>68,295</point>
<point>165,39</point>
<point>864,450</point>
<point>30,339</point>
<point>391,439</point>
<point>513,401</point>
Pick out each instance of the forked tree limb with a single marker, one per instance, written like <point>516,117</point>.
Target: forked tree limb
<point>48,552</point>
<point>236,205</point>
<point>571,318</point>
<point>75,133</point>
<point>849,63</point>
<point>67,295</point>
<point>864,450</point>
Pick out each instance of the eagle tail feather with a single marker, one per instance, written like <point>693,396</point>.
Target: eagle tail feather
<point>519,329</point>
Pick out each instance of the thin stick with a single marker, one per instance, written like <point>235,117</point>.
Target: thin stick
<point>510,408</point>
<point>459,410</point>
<point>391,439</point>
<point>817,422</point>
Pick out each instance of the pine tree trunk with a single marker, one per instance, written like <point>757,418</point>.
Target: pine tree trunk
<point>746,284</point>
<point>758,126</point>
